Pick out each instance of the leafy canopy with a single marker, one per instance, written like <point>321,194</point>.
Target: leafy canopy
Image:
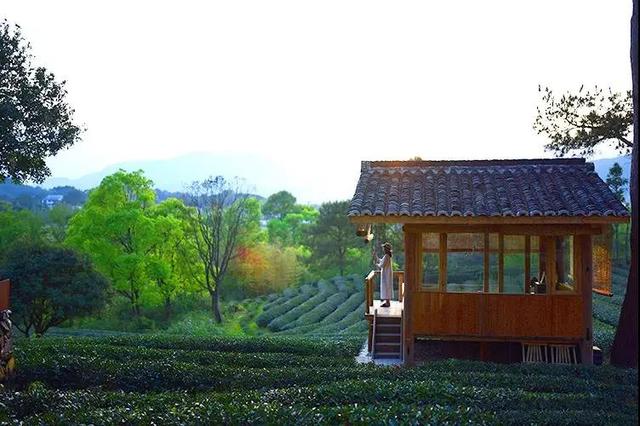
<point>617,182</point>
<point>35,119</point>
<point>116,229</point>
<point>333,239</point>
<point>278,205</point>
<point>578,122</point>
<point>50,285</point>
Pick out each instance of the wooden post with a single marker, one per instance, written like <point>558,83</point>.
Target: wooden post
<point>501,263</point>
<point>485,284</point>
<point>412,244</point>
<point>585,285</point>
<point>527,262</point>
<point>443,263</point>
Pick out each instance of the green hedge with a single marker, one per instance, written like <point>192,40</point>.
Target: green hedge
<point>350,319</point>
<point>281,321</point>
<point>274,311</point>
<point>278,380</point>
<point>320,311</point>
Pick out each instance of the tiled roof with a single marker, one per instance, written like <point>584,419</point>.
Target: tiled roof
<point>549,187</point>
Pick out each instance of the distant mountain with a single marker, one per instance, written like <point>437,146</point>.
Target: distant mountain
<point>31,197</point>
<point>602,167</point>
<point>262,175</point>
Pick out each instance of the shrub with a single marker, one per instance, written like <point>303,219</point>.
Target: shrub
<point>275,311</point>
<point>320,311</point>
<point>291,315</point>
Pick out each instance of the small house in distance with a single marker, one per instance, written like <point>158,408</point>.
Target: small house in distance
<point>52,200</point>
<point>501,257</point>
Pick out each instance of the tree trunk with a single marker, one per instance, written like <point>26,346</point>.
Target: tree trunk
<point>215,305</point>
<point>168,308</point>
<point>624,351</point>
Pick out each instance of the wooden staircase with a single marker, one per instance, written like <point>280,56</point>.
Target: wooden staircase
<point>387,338</point>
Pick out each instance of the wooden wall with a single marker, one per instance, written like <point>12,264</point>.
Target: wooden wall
<point>554,316</point>
<point>499,316</point>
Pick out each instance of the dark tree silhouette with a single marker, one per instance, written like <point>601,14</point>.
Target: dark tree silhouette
<point>624,351</point>
<point>35,119</point>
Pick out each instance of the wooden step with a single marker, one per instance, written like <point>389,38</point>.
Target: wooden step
<point>387,329</point>
<point>388,337</point>
<point>387,355</point>
<point>387,347</point>
<point>388,320</point>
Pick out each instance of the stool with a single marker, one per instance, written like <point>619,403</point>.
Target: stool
<point>563,354</point>
<point>534,352</point>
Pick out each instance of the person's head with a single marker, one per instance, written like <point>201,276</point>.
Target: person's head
<point>387,249</point>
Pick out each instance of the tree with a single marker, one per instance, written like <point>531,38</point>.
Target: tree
<point>263,269</point>
<point>332,238</point>
<point>56,221</point>
<point>168,263</point>
<point>50,285</point>
<point>18,227</point>
<point>624,351</point>
<point>278,205</point>
<point>617,182</point>
<point>291,230</point>
<point>115,228</point>
<point>223,219</point>
<point>35,119</point>
<point>578,122</point>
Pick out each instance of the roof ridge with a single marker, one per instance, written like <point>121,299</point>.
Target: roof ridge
<point>366,165</point>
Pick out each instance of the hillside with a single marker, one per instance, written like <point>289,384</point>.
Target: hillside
<point>329,307</point>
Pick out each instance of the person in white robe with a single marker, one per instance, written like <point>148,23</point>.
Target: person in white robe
<point>386,275</point>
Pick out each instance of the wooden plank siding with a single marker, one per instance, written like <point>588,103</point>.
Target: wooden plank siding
<point>501,316</point>
<point>554,316</point>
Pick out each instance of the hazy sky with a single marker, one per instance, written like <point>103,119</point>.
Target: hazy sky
<point>318,86</point>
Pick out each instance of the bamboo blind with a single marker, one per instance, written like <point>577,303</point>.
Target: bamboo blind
<point>601,259</point>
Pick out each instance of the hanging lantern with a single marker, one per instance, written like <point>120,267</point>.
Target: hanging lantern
<point>365,231</point>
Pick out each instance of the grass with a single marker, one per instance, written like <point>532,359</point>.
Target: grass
<point>274,379</point>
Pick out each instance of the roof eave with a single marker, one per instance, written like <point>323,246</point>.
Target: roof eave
<point>485,220</point>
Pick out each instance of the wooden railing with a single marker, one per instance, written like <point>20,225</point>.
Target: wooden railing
<point>369,284</point>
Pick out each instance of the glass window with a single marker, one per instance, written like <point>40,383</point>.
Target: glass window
<point>565,276</point>
<point>465,262</point>
<point>430,271</point>
<point>514,265</point>
<point>536,271</point>
<point>494,262</point>
<point>430,261</point>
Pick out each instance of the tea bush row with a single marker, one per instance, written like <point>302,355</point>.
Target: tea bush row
<point>319,312</point>
<point>275,311</point>
<point>341,347</point>
<point>326,290</point>
<point>368,401</point>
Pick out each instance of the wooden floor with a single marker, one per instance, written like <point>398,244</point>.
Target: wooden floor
<point>394,310</point>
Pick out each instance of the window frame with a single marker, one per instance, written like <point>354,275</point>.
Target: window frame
<point>545,262</point>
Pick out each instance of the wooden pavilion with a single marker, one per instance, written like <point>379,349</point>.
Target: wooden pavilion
<point>500,256</point>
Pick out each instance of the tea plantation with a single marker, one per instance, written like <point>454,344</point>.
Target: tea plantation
<point>285,380</point>
<point>328,307</point>
<point>606,310</point>
<point>302,371</point>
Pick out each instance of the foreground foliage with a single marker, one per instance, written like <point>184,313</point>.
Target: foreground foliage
<point>293,380</point>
